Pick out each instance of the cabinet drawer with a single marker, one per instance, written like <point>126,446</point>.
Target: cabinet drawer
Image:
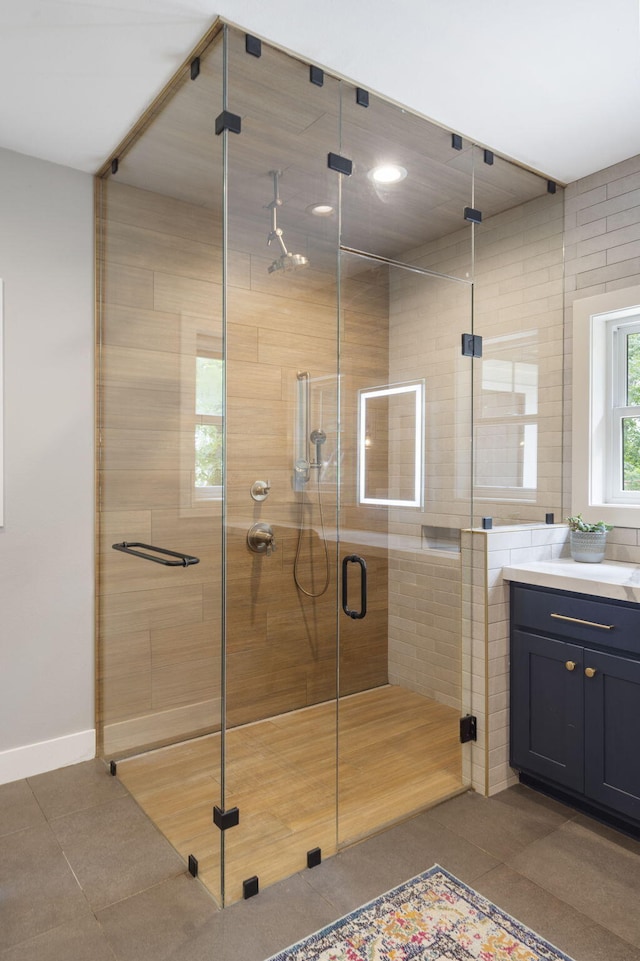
<point>580,618</point>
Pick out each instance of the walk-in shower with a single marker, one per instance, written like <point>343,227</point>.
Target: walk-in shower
<point>297,432</point>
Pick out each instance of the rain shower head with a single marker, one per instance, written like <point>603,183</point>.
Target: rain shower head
<point>286,260</point>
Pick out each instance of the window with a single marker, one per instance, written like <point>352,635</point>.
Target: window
<point>208,424</point>
<point>623,414</point>
<point>606,407</point>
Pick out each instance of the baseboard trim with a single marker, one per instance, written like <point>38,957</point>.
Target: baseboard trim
<point>124,738</point>
<point>32,759</point>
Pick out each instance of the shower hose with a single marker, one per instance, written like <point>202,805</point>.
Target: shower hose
<point>299,545</point>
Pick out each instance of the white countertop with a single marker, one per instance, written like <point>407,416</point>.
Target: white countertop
<point>614,579</point>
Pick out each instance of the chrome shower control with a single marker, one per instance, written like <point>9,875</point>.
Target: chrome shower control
<point>261,539</point>
<point>260,490</point>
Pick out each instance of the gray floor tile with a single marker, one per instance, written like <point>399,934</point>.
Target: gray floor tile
<point>552,918</point>
<point>256,929</point>
<point>115,851</point>
<point>18,808</point>
<point>159,921</point>
<point>367,870</point>
<point>535,803</point>
<point>504,824</point>
<point>75,941</point>
<point>39,890</point>
<point>75,788</point>
<point>594,869</point>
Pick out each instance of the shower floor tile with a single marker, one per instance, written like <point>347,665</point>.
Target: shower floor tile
<point>399,753</point>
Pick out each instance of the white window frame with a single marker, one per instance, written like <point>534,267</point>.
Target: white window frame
<point>596,413</point>
<point>619,325</point>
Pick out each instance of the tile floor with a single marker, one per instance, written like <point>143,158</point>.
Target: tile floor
<point>85,876</point>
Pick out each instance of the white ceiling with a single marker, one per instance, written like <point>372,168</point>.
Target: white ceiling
<point>554,84</point>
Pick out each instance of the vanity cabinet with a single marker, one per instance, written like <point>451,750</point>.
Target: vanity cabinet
<point>575,696</point>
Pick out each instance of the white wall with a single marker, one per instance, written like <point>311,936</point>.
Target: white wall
<point>46,545</point>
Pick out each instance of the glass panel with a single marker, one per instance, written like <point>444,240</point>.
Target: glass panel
<point>401,665</point>
<point>518,311</point>
<point>160,421</point>
<point>631,453</point>
<point>633,369</point>
<point>282,435</point>
<point>418,219</point>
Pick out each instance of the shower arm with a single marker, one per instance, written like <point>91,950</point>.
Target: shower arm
<point>276,232</point>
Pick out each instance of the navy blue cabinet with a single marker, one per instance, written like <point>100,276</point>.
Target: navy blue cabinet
<point>575,696</point>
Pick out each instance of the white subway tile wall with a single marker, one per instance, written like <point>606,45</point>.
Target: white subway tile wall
<point>486,633</point>
<point>602,254</point>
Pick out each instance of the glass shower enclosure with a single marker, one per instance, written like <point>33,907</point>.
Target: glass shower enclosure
<point>285,459</point>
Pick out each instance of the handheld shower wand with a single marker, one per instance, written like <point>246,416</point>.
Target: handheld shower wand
<point>318,437</point>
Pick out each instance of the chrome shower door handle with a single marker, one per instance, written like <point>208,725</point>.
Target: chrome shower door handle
<point>354,559</point>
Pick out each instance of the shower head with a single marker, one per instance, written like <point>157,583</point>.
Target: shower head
<point>318,437</point>
<point>286,260</point>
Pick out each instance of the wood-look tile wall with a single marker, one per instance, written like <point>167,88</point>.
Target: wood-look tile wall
<point>159,628</point>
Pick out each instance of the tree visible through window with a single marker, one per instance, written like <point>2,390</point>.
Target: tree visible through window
<point>208,428</point>
<point>623,345</point>
<point>631,425</point>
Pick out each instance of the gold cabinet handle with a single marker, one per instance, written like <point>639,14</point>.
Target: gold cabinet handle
<point>578,620</point>
<point>570,665</point>
<point>590,671</point>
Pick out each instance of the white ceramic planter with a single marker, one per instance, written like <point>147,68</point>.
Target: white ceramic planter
<point>588,547</point>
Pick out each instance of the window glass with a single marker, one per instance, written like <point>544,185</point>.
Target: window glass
<point>631,453</point>
<point>633,369</point>
<point>208,427</point>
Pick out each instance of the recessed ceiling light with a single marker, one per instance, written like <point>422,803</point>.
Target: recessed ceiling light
<point>320,210</point>
<point>388,174</point>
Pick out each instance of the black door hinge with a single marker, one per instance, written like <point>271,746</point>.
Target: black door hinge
<point>468,728</point>
<point>193,866</point>
<point>471,345</point>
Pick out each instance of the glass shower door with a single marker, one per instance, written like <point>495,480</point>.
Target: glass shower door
<point>405,489</point>
<point>404,499</point>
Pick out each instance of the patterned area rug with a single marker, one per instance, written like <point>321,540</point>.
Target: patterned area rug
<point>433,917</point>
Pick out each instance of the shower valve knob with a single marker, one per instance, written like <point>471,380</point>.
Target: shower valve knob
<point>261,539</point>
<point>260,490</point>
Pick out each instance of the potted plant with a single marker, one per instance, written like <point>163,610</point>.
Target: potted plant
<point>587,541</point>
